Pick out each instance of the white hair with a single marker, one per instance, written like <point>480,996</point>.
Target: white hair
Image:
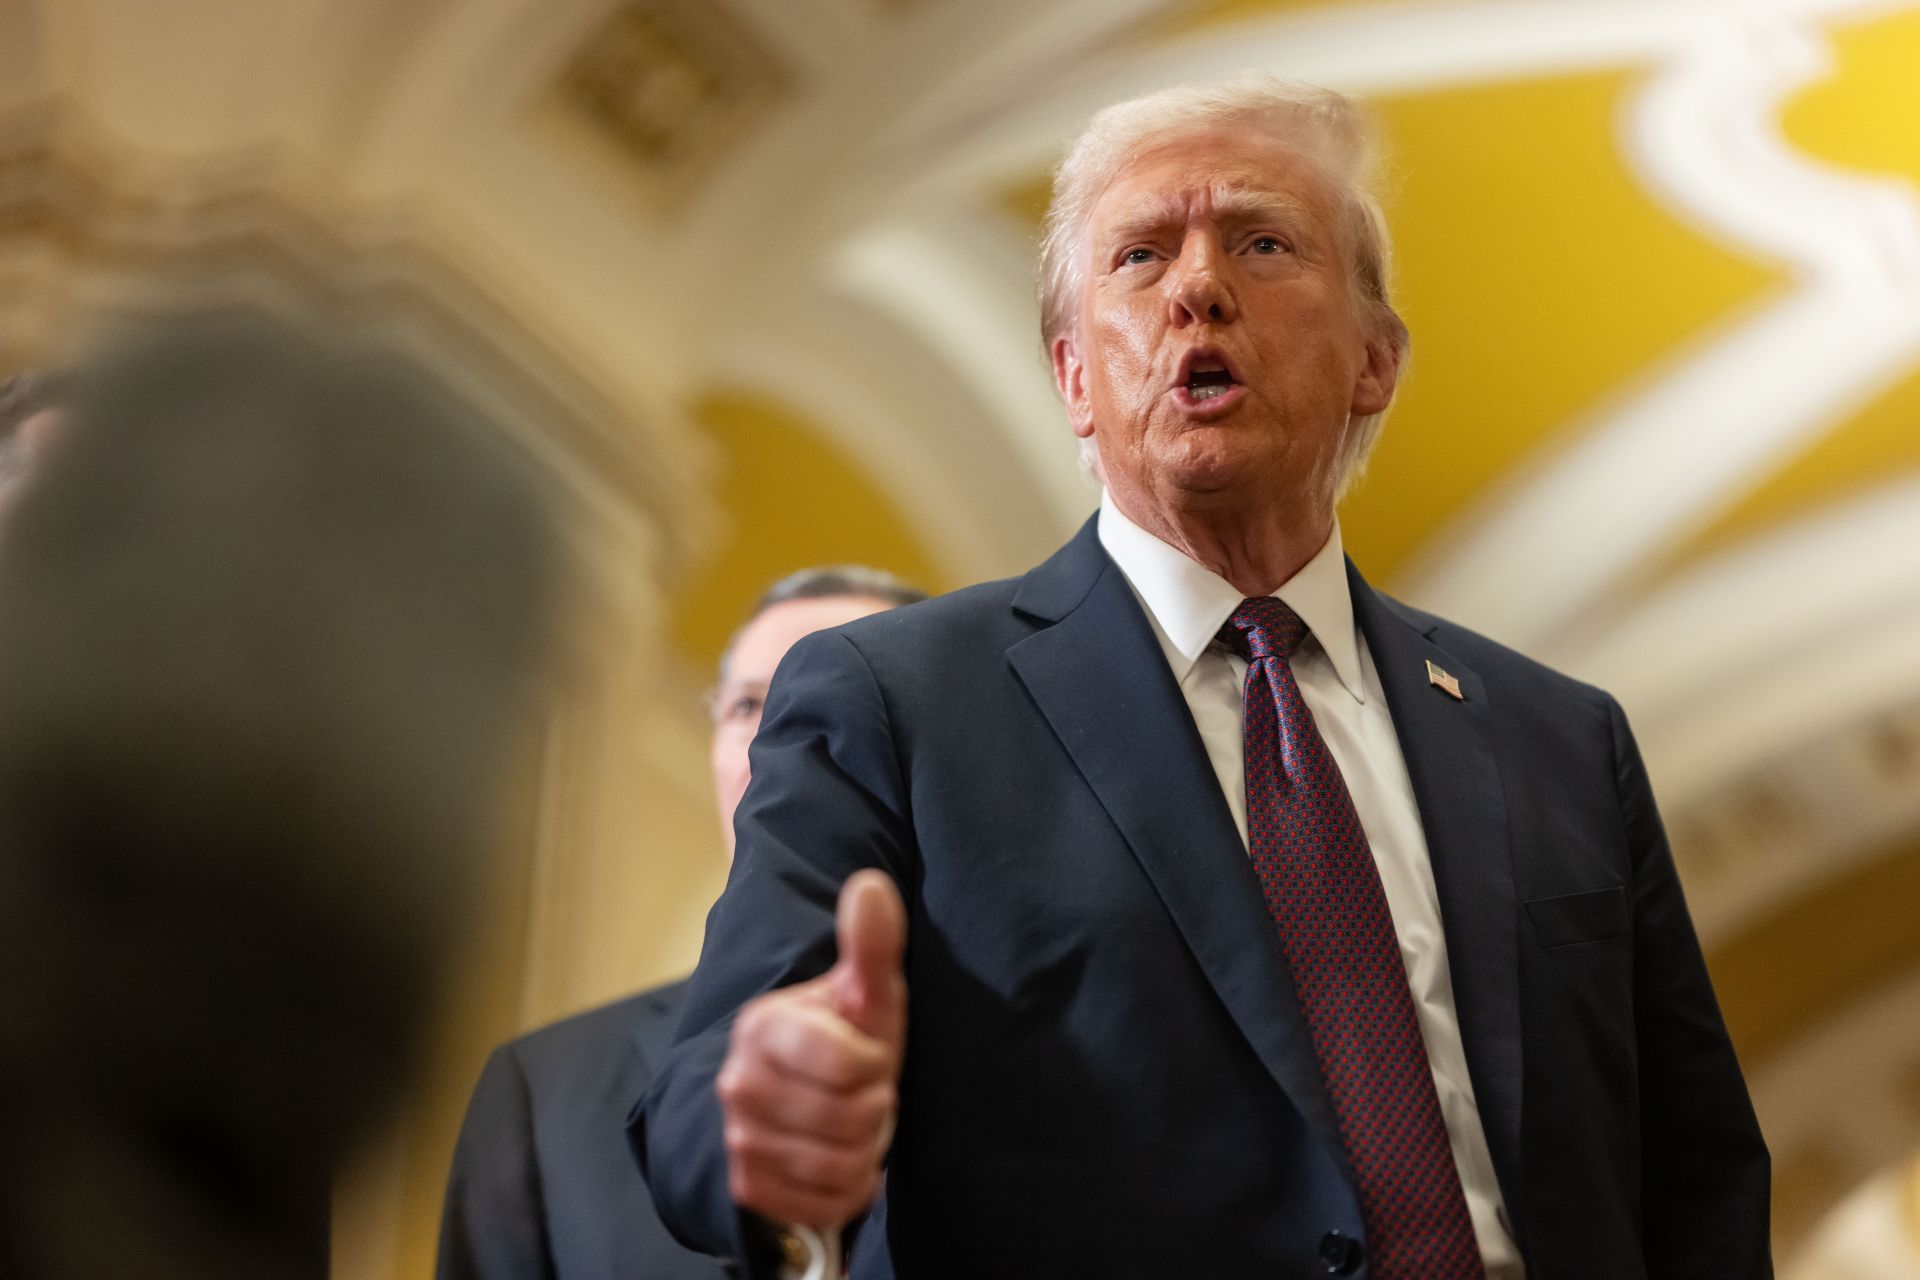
<point>1334,132</point>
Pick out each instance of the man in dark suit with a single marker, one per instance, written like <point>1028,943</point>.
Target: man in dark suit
<point>543,1182</point>
<point>1186,907</point>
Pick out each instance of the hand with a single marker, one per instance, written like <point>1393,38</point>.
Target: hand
<point>809,1089</point>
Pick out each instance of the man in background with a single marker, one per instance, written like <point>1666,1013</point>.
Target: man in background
<point>544,1184</point>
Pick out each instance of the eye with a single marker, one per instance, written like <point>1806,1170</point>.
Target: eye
<point>1136,257</point>
<point>741,708</point>
<point>1267,245</point>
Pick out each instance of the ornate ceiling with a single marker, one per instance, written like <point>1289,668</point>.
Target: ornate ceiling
<point>762,268</point>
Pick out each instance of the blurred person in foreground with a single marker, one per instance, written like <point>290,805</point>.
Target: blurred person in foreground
<point>31,415</point>
<point>272,613</point>
<point>1187,907</point>
<point>544,1182</point>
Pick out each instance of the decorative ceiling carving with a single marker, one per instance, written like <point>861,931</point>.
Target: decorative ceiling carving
<point>1775,831</point>
<point>676,85</point>
<point>85,239</point>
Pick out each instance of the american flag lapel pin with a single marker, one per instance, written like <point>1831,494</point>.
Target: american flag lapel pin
<point>1439,679</point>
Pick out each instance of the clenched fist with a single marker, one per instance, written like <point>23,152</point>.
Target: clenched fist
<point>808,1090</point>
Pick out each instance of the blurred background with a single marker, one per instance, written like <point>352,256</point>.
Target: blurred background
<point>757,275</point>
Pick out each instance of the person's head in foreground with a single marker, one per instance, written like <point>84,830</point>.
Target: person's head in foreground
<point>32,412</point>
<point>271,617</point>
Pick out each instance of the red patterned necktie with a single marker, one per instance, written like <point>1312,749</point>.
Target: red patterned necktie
<point>1324,893</point>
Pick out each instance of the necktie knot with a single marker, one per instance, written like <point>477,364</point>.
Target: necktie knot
<point>1263,627</point>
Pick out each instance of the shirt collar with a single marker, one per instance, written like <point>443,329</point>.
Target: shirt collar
<point>1188,603</point>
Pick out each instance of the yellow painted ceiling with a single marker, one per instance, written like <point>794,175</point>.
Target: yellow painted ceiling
<point>1874,447</point>
<point>1538,278</point>
<point>1865,117</point>
<point>791,499</point>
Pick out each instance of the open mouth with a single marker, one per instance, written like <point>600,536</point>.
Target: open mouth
<point>1206,381</point>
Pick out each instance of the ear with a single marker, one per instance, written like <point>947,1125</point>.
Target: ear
<point>1386,351</point>
<point>1070,378</point>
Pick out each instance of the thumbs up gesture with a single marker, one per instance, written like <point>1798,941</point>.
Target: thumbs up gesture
<point>808,1090</point>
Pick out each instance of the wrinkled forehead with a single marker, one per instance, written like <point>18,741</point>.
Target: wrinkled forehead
<point>1222,201</point>
<point>1224,178</point>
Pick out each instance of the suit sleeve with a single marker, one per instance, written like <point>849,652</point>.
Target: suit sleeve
<point>1705,1172</point>
<point>493,1226</point>
<point>826,800</point>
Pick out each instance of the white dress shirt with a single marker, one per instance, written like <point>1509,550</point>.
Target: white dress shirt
<point>1187,603</point>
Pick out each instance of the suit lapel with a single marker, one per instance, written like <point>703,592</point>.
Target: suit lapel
<point>1448,745</point>
<point>1100,678</point>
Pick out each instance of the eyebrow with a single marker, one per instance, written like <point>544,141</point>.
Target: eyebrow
<point>1238,205</point>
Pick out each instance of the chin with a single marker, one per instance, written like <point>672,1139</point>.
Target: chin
<point>1207,460</point>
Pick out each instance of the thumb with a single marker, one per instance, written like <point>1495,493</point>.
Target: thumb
<point>868,988</point>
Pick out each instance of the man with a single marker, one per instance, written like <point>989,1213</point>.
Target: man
<point>1248,923</point>
<point>544,1183</point>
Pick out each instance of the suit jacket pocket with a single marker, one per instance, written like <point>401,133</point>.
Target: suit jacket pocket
<point>1573,918</point>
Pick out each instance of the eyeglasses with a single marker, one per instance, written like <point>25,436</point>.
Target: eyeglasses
<point>734,707</point>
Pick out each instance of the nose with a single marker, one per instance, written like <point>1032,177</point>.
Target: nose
<point>1199,292</point>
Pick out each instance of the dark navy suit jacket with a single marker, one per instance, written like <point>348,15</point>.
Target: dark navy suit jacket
<point>1107,1073</point>
<point>544,1185</point>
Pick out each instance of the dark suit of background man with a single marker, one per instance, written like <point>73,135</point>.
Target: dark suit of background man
<point>1249,923</point>
<point>544,1183</point>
